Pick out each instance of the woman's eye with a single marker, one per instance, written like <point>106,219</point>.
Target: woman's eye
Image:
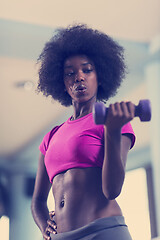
<point>69,74</point>
<point>87,70</point>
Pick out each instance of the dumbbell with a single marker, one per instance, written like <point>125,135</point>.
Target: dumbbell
<point>142,110</point>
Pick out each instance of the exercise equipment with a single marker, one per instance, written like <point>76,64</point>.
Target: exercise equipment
<point>142,110</point>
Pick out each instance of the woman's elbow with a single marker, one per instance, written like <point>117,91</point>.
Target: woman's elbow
<point>112,191</point>
<point>33,206</point>
<point>111,195</point>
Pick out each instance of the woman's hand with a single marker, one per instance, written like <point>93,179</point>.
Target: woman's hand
<point>51,228</point>
<point>119,114</point>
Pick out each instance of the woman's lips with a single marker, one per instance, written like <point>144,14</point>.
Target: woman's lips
<point>80,88</point>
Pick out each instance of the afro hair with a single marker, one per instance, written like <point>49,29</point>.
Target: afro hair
<point>106,54</point>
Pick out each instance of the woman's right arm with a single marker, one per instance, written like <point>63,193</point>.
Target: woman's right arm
<point>39,200</point>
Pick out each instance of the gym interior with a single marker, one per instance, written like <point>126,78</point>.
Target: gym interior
<point>27,116</point>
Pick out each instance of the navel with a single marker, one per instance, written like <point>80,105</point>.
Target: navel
<point>62,203</point>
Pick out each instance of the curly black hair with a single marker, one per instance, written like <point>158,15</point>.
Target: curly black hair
<point>106,54</point>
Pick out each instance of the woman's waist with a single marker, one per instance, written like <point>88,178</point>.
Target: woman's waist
<point>93,228</point>
<point>79,198</point>
<point>72,215</point>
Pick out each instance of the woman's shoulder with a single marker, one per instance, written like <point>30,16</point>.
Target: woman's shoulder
<point>46,139</point>
<point>52,132</point>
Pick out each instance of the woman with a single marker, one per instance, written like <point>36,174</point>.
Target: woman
<point>83,163</point>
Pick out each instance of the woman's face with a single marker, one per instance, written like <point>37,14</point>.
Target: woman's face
<point>80,78</point>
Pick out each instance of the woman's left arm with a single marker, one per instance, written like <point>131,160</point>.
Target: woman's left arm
<point>116,148</point>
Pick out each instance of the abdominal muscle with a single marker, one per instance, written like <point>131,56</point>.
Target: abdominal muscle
<point>79,198</point>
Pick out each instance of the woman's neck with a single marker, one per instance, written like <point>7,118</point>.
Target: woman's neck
<point>82,109</point>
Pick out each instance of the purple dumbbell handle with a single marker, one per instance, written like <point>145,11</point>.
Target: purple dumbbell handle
<point>142,110</point>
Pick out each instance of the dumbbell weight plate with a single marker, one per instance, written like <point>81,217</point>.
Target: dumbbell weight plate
<point>143,110</point>
<point>99,113</point>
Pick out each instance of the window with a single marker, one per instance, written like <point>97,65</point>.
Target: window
<point>4,228</point>
<point>133,201</point>
<point>50,201</point>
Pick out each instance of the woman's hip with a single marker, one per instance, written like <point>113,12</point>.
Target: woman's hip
<point>110,228</point>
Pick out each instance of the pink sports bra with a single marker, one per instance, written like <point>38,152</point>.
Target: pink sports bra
<point>76,144</point>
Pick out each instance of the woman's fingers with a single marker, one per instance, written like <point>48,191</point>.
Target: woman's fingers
<point>51,214</point>
<point>127,110</point>
<point>118,109</point>
<point>49,230</point>
<point>46,236</point>
<point>119,114</point>
<point>52,224</point>
<point>122,109</point>
<point>131,108</point>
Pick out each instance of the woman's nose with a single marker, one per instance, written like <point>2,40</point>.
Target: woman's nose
<point>79,77</point>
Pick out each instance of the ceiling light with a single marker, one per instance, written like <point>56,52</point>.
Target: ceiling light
<point>26,84</point>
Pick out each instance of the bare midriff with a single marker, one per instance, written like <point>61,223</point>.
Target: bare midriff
<point>79,198</point>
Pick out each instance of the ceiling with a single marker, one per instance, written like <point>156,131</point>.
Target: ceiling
<point>27,25</point>
<point>128,19</point>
